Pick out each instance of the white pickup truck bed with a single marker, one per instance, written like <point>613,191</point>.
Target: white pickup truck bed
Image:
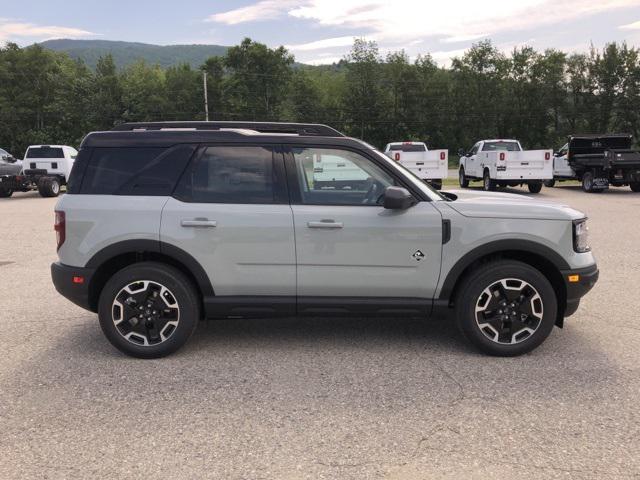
<point>429,165</point>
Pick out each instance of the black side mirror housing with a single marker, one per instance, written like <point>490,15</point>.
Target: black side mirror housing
<point>10,159</point>
<point>461,152</point>
<point>398,198</point>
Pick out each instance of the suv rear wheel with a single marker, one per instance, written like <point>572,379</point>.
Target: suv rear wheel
<point>506,308</point>
<point>534,187</point>
<point>635,186</point>
<point>148,310</point>
<point>5,192</point>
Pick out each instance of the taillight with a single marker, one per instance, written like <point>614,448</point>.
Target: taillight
<point>441,155</point>
<point>397,157</point>
<point>547,155</point>
<point>501,155</point>
<point>60,226</point>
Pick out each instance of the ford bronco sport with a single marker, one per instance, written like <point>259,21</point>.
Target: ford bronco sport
<point>164,224</point>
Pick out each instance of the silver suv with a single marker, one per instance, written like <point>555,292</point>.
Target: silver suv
<point>165,224</point>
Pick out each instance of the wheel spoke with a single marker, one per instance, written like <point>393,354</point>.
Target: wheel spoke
<point>509,311</point>
<point>145,312</point>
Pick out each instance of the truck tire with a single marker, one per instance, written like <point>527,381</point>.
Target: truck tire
<point>506,308</point>
<point>148,309</point>
<point>549,183</point>
<point>5,192</point>
<point>49,187</point>
<point>462,178</point>
<point>534,187</point>
<point>487,184</point>
<point>587,182</point>
<point>635,186</point>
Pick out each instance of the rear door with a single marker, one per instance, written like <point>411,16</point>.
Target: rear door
<point>231,212</point>
<point>347,244</point>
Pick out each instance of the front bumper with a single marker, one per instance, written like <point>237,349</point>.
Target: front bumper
<point>73,283</point>
<point>578,282</point>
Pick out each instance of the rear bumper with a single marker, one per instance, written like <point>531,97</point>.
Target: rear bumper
<point>586,279</point>
<point>66,279</point>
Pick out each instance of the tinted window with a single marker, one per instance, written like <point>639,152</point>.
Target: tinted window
<point>45,152</point>
<point>231,174</point>
<point>408,148</point>
<point>339,177</point>
<point>134,171</point>
<point>508,146</point>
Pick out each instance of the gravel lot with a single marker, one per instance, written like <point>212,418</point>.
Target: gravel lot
<point>311,398</point>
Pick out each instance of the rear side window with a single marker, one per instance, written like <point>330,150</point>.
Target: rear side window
<point>45,152</point>
<point>135,171</point>
<point>232,174</point>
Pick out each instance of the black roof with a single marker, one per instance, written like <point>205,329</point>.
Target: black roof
<point>600,135</point>
<point>170,133</point>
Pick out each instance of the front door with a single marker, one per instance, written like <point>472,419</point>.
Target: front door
<point>347,244</point>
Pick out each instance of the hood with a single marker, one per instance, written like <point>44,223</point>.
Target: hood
<point>480,204</point>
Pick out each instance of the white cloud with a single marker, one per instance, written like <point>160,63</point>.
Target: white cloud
<point>13,30</point>
<point>630,26</point>
<point>322,44</point>
<point>402,23</point>
<point>263,10</point>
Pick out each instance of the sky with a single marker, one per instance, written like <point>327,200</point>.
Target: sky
<point>322,31</point>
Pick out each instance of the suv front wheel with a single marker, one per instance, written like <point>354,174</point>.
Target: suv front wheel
<point>506,308</point>
<point>148,310</point>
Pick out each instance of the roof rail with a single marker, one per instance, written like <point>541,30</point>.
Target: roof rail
<point>307,129</point>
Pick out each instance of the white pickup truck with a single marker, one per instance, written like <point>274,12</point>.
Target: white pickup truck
<point>428,165</point>
<point>45,168</point>
<point>502,163</point>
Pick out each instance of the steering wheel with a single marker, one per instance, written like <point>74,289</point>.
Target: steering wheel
<point>372,197</point>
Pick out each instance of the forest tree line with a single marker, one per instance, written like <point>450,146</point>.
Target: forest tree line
<point>536,97</point>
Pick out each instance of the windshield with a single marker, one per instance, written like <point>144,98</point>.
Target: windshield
<point>45,152</point>
<point>409,147</point>
<point>432,193</point>
<point>504,146</point>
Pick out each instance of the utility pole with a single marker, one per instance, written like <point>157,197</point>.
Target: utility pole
<point>206,100</point>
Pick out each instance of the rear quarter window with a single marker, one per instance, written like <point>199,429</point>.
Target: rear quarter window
<point>133,171</point>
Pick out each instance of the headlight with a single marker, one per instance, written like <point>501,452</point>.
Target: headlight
<point>580,236</point>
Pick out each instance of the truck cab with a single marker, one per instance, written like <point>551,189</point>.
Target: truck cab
<point>502,163</point>
<point>430,166</point>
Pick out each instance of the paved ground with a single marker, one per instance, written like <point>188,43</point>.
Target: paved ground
<point>336,399</point>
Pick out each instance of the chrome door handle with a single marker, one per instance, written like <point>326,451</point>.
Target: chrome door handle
<point>199,222</point>
<point>325,224</point>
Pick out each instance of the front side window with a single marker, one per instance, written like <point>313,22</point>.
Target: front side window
<point>338,177</point>
<point>231,174</point>
<point>474,149</point>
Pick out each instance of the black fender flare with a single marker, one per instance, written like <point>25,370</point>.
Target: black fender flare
<point>495,247</point>
<point>142,246</point>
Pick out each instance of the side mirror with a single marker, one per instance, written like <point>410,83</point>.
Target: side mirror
<point>461,152</point>
<point>10,159</point>
<point>397,198</point>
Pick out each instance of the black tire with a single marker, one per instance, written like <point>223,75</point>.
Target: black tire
<point>534,187</point>
<point>49,187</point>
<point>473,291</point>
<point>181,293</point>
<point>5,192</point>
<point>549,183</point>
<point>587,182</point>
<point>462,178</point>
<point>488,185</point>
<point>635,186</point>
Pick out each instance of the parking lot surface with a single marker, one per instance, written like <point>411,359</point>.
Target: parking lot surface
<point>319,398</point>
